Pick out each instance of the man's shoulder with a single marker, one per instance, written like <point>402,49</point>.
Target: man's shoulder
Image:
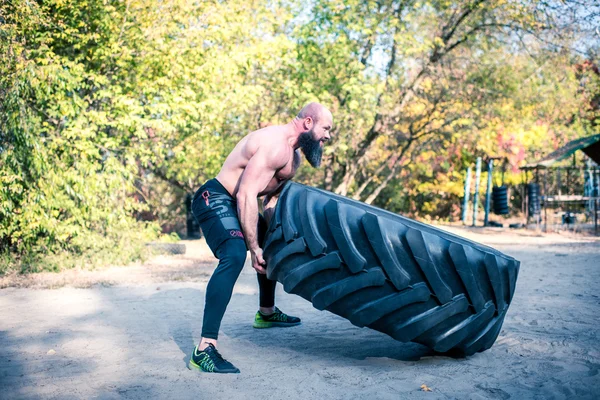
<point>270,129</point>
<point>275,150</point>
<point>273,139</point>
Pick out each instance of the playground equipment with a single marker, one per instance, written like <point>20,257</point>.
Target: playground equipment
<point>495,195</point>
<point>562,195</point>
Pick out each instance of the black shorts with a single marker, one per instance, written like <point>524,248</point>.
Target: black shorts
<point>216,212</point>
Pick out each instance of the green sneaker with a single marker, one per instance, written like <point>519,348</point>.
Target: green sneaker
<point>278,318</point>
<point>209,360</point>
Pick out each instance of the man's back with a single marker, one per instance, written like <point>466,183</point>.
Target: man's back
<point>272,139</point>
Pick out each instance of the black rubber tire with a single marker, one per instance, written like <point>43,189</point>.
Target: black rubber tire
<point>533,191</point>
<point>167,248</point>
<point>500,200</point>
<point>387,272</point>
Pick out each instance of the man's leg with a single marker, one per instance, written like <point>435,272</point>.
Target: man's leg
<point>268,315</point>
<point>232,255</point>
<point>205,357</point>
<point>266,287</point>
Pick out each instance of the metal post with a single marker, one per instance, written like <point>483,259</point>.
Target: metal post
<point>596,215</point>
<point>522,192</point>
<point>596,193</point>
<point>545,205</point>
<point>559,181</point>
<point>526,198</point>
<point>466,198</point>
<point>488,194</point>
<point>538,216</point>
<point>476,195</point>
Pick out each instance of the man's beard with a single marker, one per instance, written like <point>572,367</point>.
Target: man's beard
<point>311,148</point>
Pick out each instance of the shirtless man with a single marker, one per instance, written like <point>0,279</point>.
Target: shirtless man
<point>227,209</point>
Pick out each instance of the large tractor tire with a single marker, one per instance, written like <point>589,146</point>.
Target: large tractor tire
<point>387,272</point>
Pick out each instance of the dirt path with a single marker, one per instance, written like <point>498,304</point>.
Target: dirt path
<point>127,332</point>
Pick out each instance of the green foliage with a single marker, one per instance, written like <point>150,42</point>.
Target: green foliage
<point>65,179</point>
<point>443,83</point>
<point>111,112</point>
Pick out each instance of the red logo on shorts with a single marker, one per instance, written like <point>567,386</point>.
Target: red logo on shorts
<point>205,195</point>
<point>236,233</point>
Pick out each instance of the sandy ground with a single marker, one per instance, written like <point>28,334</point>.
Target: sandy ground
<point>126,332</point>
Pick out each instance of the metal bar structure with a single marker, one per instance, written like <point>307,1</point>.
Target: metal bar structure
<point>545,202</point>
<point>571,190</point>
<point>488,193</point>
<point>596,216</point>
<point>466,198</point>
<point>562,168</point>
<point>569,181</point>
<point>538,217</point>
<point>596,194</point>
<point>526,198</point>
<point>476,195</point>
<point>522,193</point>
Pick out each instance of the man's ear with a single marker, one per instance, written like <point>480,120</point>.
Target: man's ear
<point>308,123</point>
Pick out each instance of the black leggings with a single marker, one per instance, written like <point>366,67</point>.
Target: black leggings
<point>232,255</point>
<point>216,211</point>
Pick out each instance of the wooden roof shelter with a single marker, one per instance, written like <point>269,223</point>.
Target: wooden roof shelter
<point>590,145</point>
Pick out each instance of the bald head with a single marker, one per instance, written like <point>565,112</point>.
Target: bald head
<point>315,111</point>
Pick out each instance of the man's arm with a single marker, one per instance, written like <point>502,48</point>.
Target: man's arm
<point>256,176</point>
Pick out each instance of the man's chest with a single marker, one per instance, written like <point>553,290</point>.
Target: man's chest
<point>290,168</point>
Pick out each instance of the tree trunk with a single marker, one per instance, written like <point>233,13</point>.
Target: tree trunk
<point>383,184</point>
<point>328,178</point>
<point>393,168</point>
<point>364,185</point>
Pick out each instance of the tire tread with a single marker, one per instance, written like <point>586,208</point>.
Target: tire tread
<point>378,269</point>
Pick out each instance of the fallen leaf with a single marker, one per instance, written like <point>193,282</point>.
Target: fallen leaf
<point>425,388</point>
<point>51,352</point>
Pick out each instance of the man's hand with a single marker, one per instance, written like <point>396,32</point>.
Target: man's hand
<point>258,262</point>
